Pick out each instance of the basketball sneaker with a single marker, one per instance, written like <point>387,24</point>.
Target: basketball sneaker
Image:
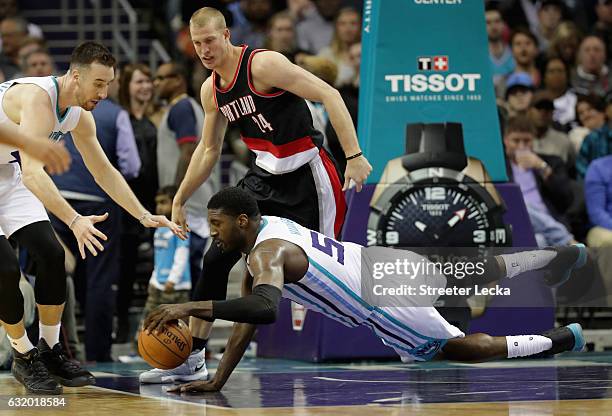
<point>568,259</point>
<point>30,370</point>
<point>565,338</point>
<point>194,368</point>
<point>67,372</point>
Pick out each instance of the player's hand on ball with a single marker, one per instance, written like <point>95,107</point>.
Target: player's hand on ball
<point>196,387</point>
<point>163,314</point>
<point>87,235</point>
<point>357,170</point>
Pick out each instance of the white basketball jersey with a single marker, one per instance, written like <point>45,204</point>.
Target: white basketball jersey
<point>63,122</point>
<point>332,284</point>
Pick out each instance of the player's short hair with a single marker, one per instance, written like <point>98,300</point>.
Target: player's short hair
<point>168,190</point>
<point>234,201</point>
<point>208,15</point>
<point>519,124</point>
<point>89,52</point>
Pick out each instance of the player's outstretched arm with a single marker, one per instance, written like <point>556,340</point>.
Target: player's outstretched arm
<point>110,179</point>
<point>54,156</point>
<point>272,69</point>
<point>236,345</point>
<point>41,185</point>
<point>204,157</point>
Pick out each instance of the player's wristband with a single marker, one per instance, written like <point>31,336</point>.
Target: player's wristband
<point>76,217</point>
<point>144,216</point>
<point>356,155</point>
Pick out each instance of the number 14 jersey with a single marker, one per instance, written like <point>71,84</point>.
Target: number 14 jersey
<point>276,126</point>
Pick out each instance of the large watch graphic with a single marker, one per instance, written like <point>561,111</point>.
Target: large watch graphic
<point>436,195</point>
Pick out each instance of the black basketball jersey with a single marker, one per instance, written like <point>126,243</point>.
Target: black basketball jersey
<point>276,126</point>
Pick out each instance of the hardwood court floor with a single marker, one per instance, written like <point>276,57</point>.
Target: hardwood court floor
<point>568,385</point>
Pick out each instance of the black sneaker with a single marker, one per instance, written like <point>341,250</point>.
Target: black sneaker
<point>565,338</point>
<point>66,371</point>
<point>30,371</point>
<point>568,258</point>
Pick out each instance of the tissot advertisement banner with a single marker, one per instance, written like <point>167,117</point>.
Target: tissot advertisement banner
<point>426,61</point>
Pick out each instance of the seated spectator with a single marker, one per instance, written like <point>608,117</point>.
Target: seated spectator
<point>519,93</point>
<point>596,144</point>
<point>500,55</point>
<point>30,44</point>
<point>556,83</point>
<point>37,63</point>
<point>315,31</point>
<point>253,32</point>
<point>598,193</point>
<point>603,25</point>
<point>13,31</point>
<point>347,32</point>
<point>565,43</point>
<point>281,35</point>
<point>542,178</point>
<point>170,282</point>
<point>550,14</point>
<point>590,116</point>
<point>525,51</point>
<point>592,75</point>
<point>549,141</point>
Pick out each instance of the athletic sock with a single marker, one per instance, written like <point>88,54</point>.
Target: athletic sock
<point>21,345</point>
<point>199,344</point>
<point>525,345</point>
<point>524,261</point>
<point>50,333</point>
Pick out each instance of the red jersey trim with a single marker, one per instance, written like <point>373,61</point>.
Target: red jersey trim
<point>282,150</point>
<point>251,86</point>
<point>231,85</point>
<point>337,188</point>
<point>187,139</point>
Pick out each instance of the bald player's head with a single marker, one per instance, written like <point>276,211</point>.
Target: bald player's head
<point>208,16</point>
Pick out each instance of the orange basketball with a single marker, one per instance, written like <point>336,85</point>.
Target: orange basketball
<point>168,349</point>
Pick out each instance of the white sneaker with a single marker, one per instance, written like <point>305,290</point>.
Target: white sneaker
<point>194,368</point>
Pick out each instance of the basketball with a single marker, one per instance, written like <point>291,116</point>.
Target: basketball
<point>167,349</point>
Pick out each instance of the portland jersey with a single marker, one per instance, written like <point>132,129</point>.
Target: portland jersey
<point>332,284</point>
<point>63,123</point>
<point>276,126</point>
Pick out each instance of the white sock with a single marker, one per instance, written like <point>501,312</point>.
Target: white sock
<point>525,345</point>
<point>49,333</point>
<point>22,345</point>
<point>524,261</point>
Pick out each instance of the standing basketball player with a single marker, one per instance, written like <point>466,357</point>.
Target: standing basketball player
<point>263,94</point>
<point>50,107</point>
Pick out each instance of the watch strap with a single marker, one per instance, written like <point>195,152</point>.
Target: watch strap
<point>434,145</point>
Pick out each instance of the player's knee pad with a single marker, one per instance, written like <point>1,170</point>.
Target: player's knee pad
<point>11,299</point>
<point>48,254</point>
<point>50,286</point>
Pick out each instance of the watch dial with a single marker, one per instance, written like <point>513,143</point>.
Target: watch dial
<point>438,215</point>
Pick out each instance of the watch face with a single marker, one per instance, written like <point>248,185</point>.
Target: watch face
<point>449,211</point>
